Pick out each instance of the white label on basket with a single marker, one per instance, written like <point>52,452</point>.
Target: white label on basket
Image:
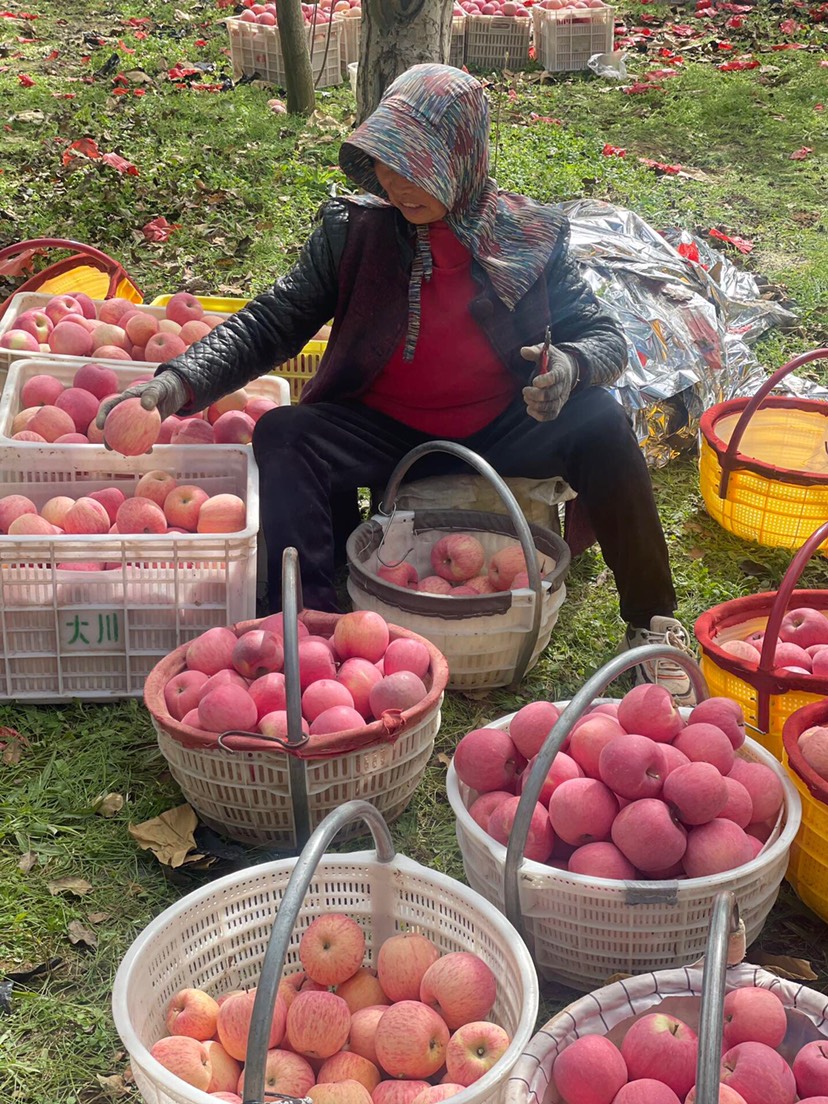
<point>89,630</point>
<point>376,759</point>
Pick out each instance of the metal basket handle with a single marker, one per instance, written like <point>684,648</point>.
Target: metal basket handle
<point>724,923</point>
<point>291,605</point>
<point>277,945</point>
<point>592,688</point>
<point>778,610</point>
<point>728,461</point>
<point>524,534</point>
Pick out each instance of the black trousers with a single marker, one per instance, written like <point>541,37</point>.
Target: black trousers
<point>312,458</point>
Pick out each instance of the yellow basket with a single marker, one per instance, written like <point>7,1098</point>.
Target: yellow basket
<point>808,866</point>
<point>297,371</point>
<point>767,697</point>
<point>764,472</point>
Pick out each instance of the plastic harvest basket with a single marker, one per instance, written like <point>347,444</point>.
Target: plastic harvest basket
<point>497,41</point>
<point>265,387</point>
<point>238,932</point>
<point>808,868</point>
<point>489,639</point>
<point>767,697</point>
<point>582,929</point>
<point>244,790</point>
<point>256,51</point>
<point>457,48</point>
<point>97,634</point>
<point>694,995</point>
<point>763,463</point>
<point>296,371</point>
<point>565,39</point>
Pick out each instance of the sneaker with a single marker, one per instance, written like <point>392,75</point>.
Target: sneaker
<point>664,672</point>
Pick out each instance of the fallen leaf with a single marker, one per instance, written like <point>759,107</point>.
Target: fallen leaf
<point>85,147</point>
<point>120,164</point>
<point>26,973</point>
<point>25,80</point>
<point>109,805</point>
<point>80,935</point>
<point>613,151</point>
<point>17,266</point>
<point>159,229</point>
<point>76,886</point>
<point>797,969</point>
<point>169,836</point>
<point>695,553</point>
<point>99,917</point>
<point>12,744</point>
<point>744,245</point>
<point>444,760</point>
<point>114,1084</point>
<point>801,154</point>
<point>27,861</point>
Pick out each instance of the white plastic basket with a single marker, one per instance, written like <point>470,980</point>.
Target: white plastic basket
<point>457,49</point>
<point>36,300</point>
<point>97,634</point>
<point>491,639</point>
<point>215,939</point>
<point>351,36</point>
<point>497,41</point>
<point>565,39</point>
<point>583,929</point>
<point>256,51</point>
<point>612,1009</point>
<point>264,387</point>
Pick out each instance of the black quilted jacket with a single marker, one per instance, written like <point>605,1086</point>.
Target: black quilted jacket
<point>275,325</point>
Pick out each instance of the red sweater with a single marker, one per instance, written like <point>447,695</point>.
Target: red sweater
<point>456,384</point>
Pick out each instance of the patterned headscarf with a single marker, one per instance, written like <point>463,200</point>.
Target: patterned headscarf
<point>432,127</point>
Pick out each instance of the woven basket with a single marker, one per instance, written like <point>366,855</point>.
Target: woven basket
<point>808,868</point>
<point>767,697</point>
<point>582,929</point>
<point>490,639</point>
<point>246,788</point>
<point>242,930</point>
<point>763,463</point>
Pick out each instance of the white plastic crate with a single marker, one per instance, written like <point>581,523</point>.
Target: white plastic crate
<point>497,41</point>
<point>256,51</point>
<point>457,51</point>
<point>565,39</point>
<point>37,300</point>
<point>264,387</point>
<point>351,36</point>
<point>97,634</point>
<point>583,929</point>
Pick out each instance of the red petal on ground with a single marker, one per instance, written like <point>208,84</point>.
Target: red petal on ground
<point>84,147</point>
<point>120,164</point>
<point>25,80</point>
<point>800,154</point>
<point>744,245</point>
<point>159,229</point>
<point>613,151</point>
<point>689,250</point>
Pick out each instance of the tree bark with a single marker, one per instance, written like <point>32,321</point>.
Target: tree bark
<point>397,34</point>
<point>301,98</point>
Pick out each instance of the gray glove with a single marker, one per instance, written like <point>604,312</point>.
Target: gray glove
<point>166,393</point>
<point>546,397</point>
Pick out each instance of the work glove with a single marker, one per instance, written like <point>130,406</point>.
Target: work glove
<point>548,393</point>
<point>166,393</point>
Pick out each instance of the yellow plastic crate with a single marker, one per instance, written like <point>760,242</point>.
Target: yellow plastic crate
<point>808,866</point>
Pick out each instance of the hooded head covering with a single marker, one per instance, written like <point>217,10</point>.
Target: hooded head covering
<point>432,127</point>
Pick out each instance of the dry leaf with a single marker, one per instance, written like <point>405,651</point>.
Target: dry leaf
<point>695,553</point>
<point>27,861</point>
<point>114,1085</point>
<point>109,805</point>
<point>78,934</point>
<point>444,759</point>
<point>169,836</point>
<point>99,917</point>
<point>796,969</point>
<point>76,886</point>
<point>12,744</point>
<point>616,977</point>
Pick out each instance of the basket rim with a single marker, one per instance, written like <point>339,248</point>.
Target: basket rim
<point>536,872</point>
<point>354,739</point>
<point>707,428</point>
<point>805,718</point>
<point>506,936</point>
<point>735,610</point>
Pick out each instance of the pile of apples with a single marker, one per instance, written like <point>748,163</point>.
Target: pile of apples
<point>158,505</point>
<point>656,1060</point>
<point>461,568</point>
<point>802,647</point>
<point>813,743</point>
<point>491,7</point>
<point>634,793</point>
<point>318,15</point>
<point>411,1031</point>
<point>347,680</point>
<point>569,6</point>
<point>116,329</point>
<point>52,413</point>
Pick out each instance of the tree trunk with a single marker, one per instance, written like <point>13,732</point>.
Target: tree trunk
<point>397,34</point>
<point>301,98</point>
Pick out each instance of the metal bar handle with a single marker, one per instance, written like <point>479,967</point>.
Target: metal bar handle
<point>524,534</point>
<point>724,921</point>
<point>729,458</point>
<point>277,945</point>
<point>297,771</point>
<point>578,706</point>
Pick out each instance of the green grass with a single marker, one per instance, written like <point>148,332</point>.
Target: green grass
<point>244,183</point>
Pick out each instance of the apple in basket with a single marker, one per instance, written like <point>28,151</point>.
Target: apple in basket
<point>813,743</point>
<point>801,646</point>
<point>663,798</point>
